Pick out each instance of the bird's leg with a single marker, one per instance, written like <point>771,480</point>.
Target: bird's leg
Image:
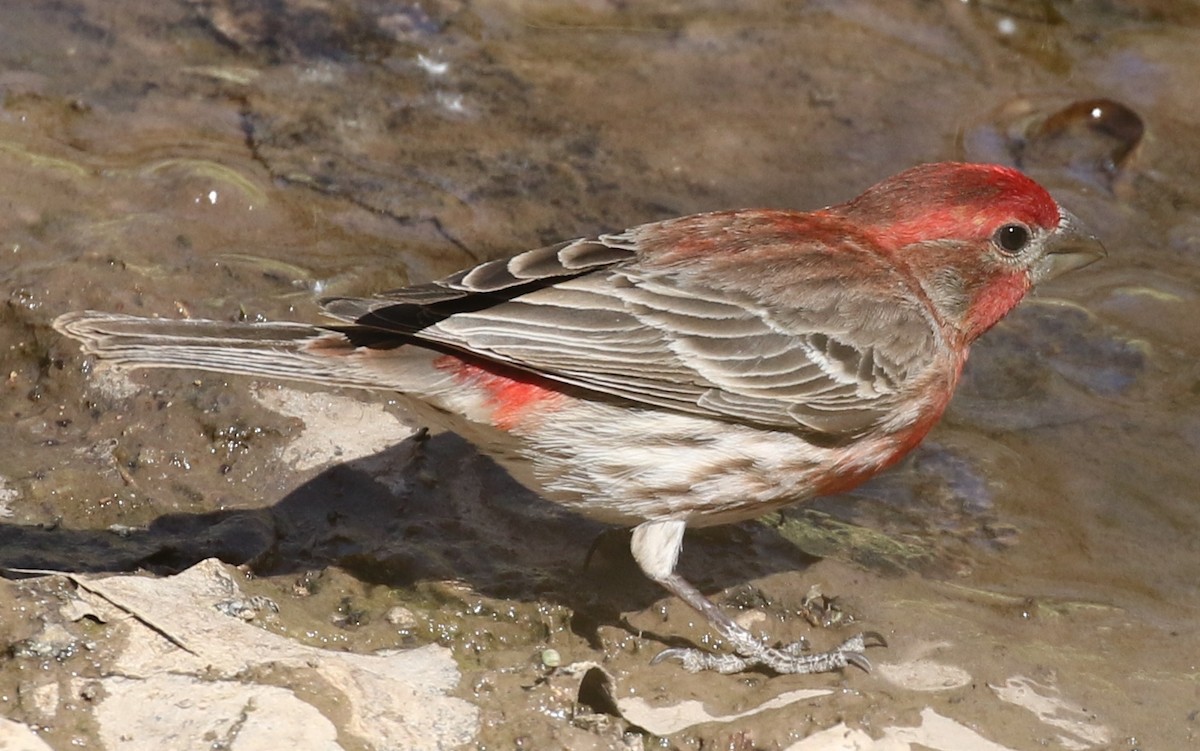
<point>656,547</point>
<point>749,652</point>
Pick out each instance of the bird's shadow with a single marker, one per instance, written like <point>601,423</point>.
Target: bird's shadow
<point>425,509</point>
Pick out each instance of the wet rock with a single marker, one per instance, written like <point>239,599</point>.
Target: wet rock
<point>17,737</point>
<point>186,677</point>
<point>1047,364</point>
<point>1098,136</point>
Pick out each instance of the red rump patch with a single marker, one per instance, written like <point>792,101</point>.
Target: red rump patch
<point>512,394</point>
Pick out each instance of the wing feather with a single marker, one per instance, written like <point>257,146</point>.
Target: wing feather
<point>595,314</point>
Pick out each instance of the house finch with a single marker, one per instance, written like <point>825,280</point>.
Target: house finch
<point>694,371</point>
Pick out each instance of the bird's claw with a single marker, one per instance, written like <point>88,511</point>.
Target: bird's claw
<point>878,637</point>
<point>672,653</point>
<point>697,660</point>
<point>789,659</point>
<point>858,660</point>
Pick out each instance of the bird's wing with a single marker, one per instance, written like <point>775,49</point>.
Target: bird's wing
<point>595,314</point>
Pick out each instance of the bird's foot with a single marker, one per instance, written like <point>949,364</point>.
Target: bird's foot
<point>792,658</point>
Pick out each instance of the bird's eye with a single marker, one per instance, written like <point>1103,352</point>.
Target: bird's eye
<point>1011,238</point>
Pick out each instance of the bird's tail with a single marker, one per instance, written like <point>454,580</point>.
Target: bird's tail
<point>292,351</point>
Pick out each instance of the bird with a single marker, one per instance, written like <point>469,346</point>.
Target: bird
<point>688,372</point>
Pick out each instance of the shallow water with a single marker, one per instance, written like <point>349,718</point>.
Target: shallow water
<point>239,160</point>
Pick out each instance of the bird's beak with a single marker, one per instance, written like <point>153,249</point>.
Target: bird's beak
<point>1071,247</point>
